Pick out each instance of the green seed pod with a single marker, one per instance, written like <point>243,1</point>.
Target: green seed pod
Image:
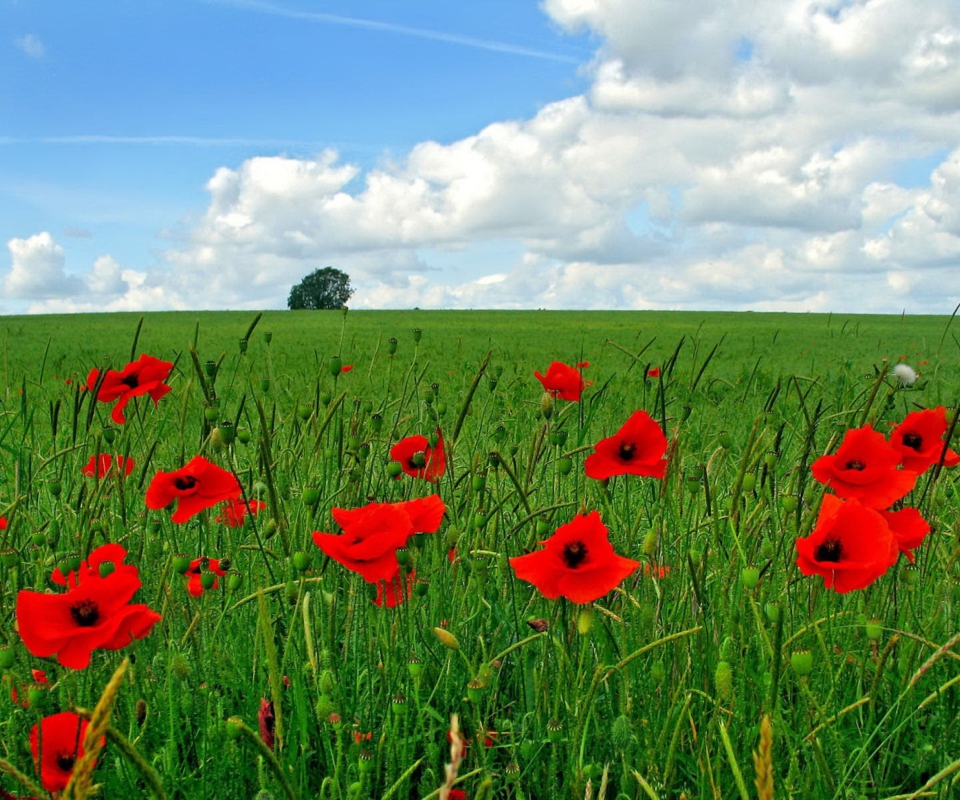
<point>546,405</point>
<point>210,367</point>
<point>109,434</point>
<point>243,346</point>
<point>301,560</point>
<point>403,556</point>
<point>304,412</point>
<point>38,539</point>
<point>726,440</point>
<point>227,432</point>
<point>415,667</point>
<point>399,704</point>
<point>555,731</point>
<point>802,663</point>
<point>207,579</point>
<point>376,423</point>
<point>210,413</point>
<point>479,519</point>
<point>56,487</point>
<point>767,549</point>
<point>310,496</point>
<point>478,482</point>
<point>441,409</point>
<point>232,727</point>
<point>365,763</point>
<point>512,772</point>
<point>564,466</point>
<point>773,612</point>
<point>392,345</point>
<point>543,527</point>
<point>394,469</point>
<point>475,691</point>
<point>874,629</point>
<point>750,577</point>
<point>749,482</point>
<point>106,567</point>
<point>9,558</point>
<point>234,581</point>
<point>7,656</point>
<point>418,460</point>
<point>723,680</point>
<point>910,575</point>
<point>181,563</point>
<point>417,333</point>
<point>336,364</point>
<point>243,435</point>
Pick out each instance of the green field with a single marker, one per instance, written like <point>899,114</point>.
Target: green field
<point>655,690</point>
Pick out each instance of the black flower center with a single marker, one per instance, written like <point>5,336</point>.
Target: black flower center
<point>574,553</point>
<point>913,440</point>
<point>85,613</point>
<point>859,466</point>
<point>131,380</point>
<point>185,482</point>
<point>627,450</point>
<point>66,761</point>
<point>830,550</point>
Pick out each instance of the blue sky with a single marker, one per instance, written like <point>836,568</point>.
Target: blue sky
<point>588,154</point>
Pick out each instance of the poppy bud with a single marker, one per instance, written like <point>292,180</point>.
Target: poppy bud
<point>227,432</point>
<point>749,482</point>
<point>546,405</point>
<point>773,612</point>
<point>243,435</point>
<point>56,487</point>
<point>650,542</point>
<point>336,364</point>
<point>394,469</point>
<point>234,581</point>
<point>447,639</point>
<point>7,656</point>
<point>391,345</point>
<point>38,539</point>
<point>210,367</point>
<point>304,412</point>
<point>140,712</point>
<point>301,561</point>
<point>723,679</point>
<point>555,730</point>
<point>874,629</point>
<point>750,577</point>
<point>310,496</point>
<point>585,620</point>
<point>181,563</point>
<point>802,663</point>
<point>564,466</point>
<point>109,434</point>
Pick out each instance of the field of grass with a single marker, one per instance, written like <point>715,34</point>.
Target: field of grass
<point>658,689</point>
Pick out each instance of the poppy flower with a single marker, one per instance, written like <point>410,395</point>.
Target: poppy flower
<point>234,511</point>
<point>653,372</point>
<point>457,794</point>
<point>864,468</point>
<point>112,554</point>
<point>57,744</point>
<point>346,368</point>
<point>266,722</point>
<point>396,590</point>
<point>92,615</point>
<point>99,466</point>
<point>196,486</point>
<point>919,440</point>
<point>577,562</point>
<point>373,534</point>
<point>195,572</point>
<point>908,527</point>
<point>850,546</point>
<point>39,679</point>
<point>418,459</point>
<point>562,380</point>
<point>145,376</point>
<point>638,448</point>
<point>3,523</point>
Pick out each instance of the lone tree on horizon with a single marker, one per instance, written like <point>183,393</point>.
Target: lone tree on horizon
<point>321,289</point>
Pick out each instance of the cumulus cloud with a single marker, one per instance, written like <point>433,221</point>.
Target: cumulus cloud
<point>31,45</point>
<point>37,269</point>
<point>737,155</point>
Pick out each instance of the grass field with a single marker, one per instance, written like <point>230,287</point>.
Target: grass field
<point>659,688</point>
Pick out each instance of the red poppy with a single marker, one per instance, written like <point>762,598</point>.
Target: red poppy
<point>373,534</point>
<point>346,368</point>
<point>394,591</point>
<point>919,440</point>
<point>266,722</point>
<point>57,744</point>
<point>145,376</point>
<point>112,554</point>
<point>562,380</point>
<point>418,459</point>
<point>638,448</point>
<point>3,523</point>
<point>457,794</point>
<point>653,372</point>
<point>850,546</point>
<point>93,614</point>
<point>864,468</point>
<point>658,570</point>
<point>39,679</point>
<point>577,562</point>
<point>235,510</point>
<point>195,572</point>
<point>908,527</point>
<point>100,466</point>
<point>196,486</point>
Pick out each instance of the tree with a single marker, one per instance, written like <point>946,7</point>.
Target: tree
<point>322,288</point>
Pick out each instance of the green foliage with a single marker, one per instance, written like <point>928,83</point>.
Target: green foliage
<point>326,288</point>
<point>667,688</point>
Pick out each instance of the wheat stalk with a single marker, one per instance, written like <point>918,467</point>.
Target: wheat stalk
<point>763,760</point>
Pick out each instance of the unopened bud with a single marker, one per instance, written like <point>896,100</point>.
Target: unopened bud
<point>546,405</point>
<point>447,639</point>
<point>723,679</point>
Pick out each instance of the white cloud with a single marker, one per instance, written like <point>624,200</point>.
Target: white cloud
<point>31,45</point>
<point>37,269</point>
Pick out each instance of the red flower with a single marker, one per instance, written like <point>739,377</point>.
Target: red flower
<point>100,466</point>
<point>457,794</point>
<point>636,449</point>
<point>562,380</point>
<point>196,486</point>
<point>346,368</point>
<point>3,523</point>
<point>373,534</point>
<point>419,459</point>
<point>235,510</point>
<point>145,376</point>
<point>850,547</point>
<point>266,721</point>
<point>112,554</point>
<point>93,615</point>
<point>57,744</point>
<point>908,527</point>
<point>919,440</point>
<point>577,562</point>
<point>394,591</point>
<point>654,372</point>
<point>196,570</point>
<point>39,679</point>
<point>864,468</point>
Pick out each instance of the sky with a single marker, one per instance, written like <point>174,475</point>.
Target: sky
<point>767,155</point>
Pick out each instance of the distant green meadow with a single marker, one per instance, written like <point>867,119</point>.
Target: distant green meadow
<point>658,689</point>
